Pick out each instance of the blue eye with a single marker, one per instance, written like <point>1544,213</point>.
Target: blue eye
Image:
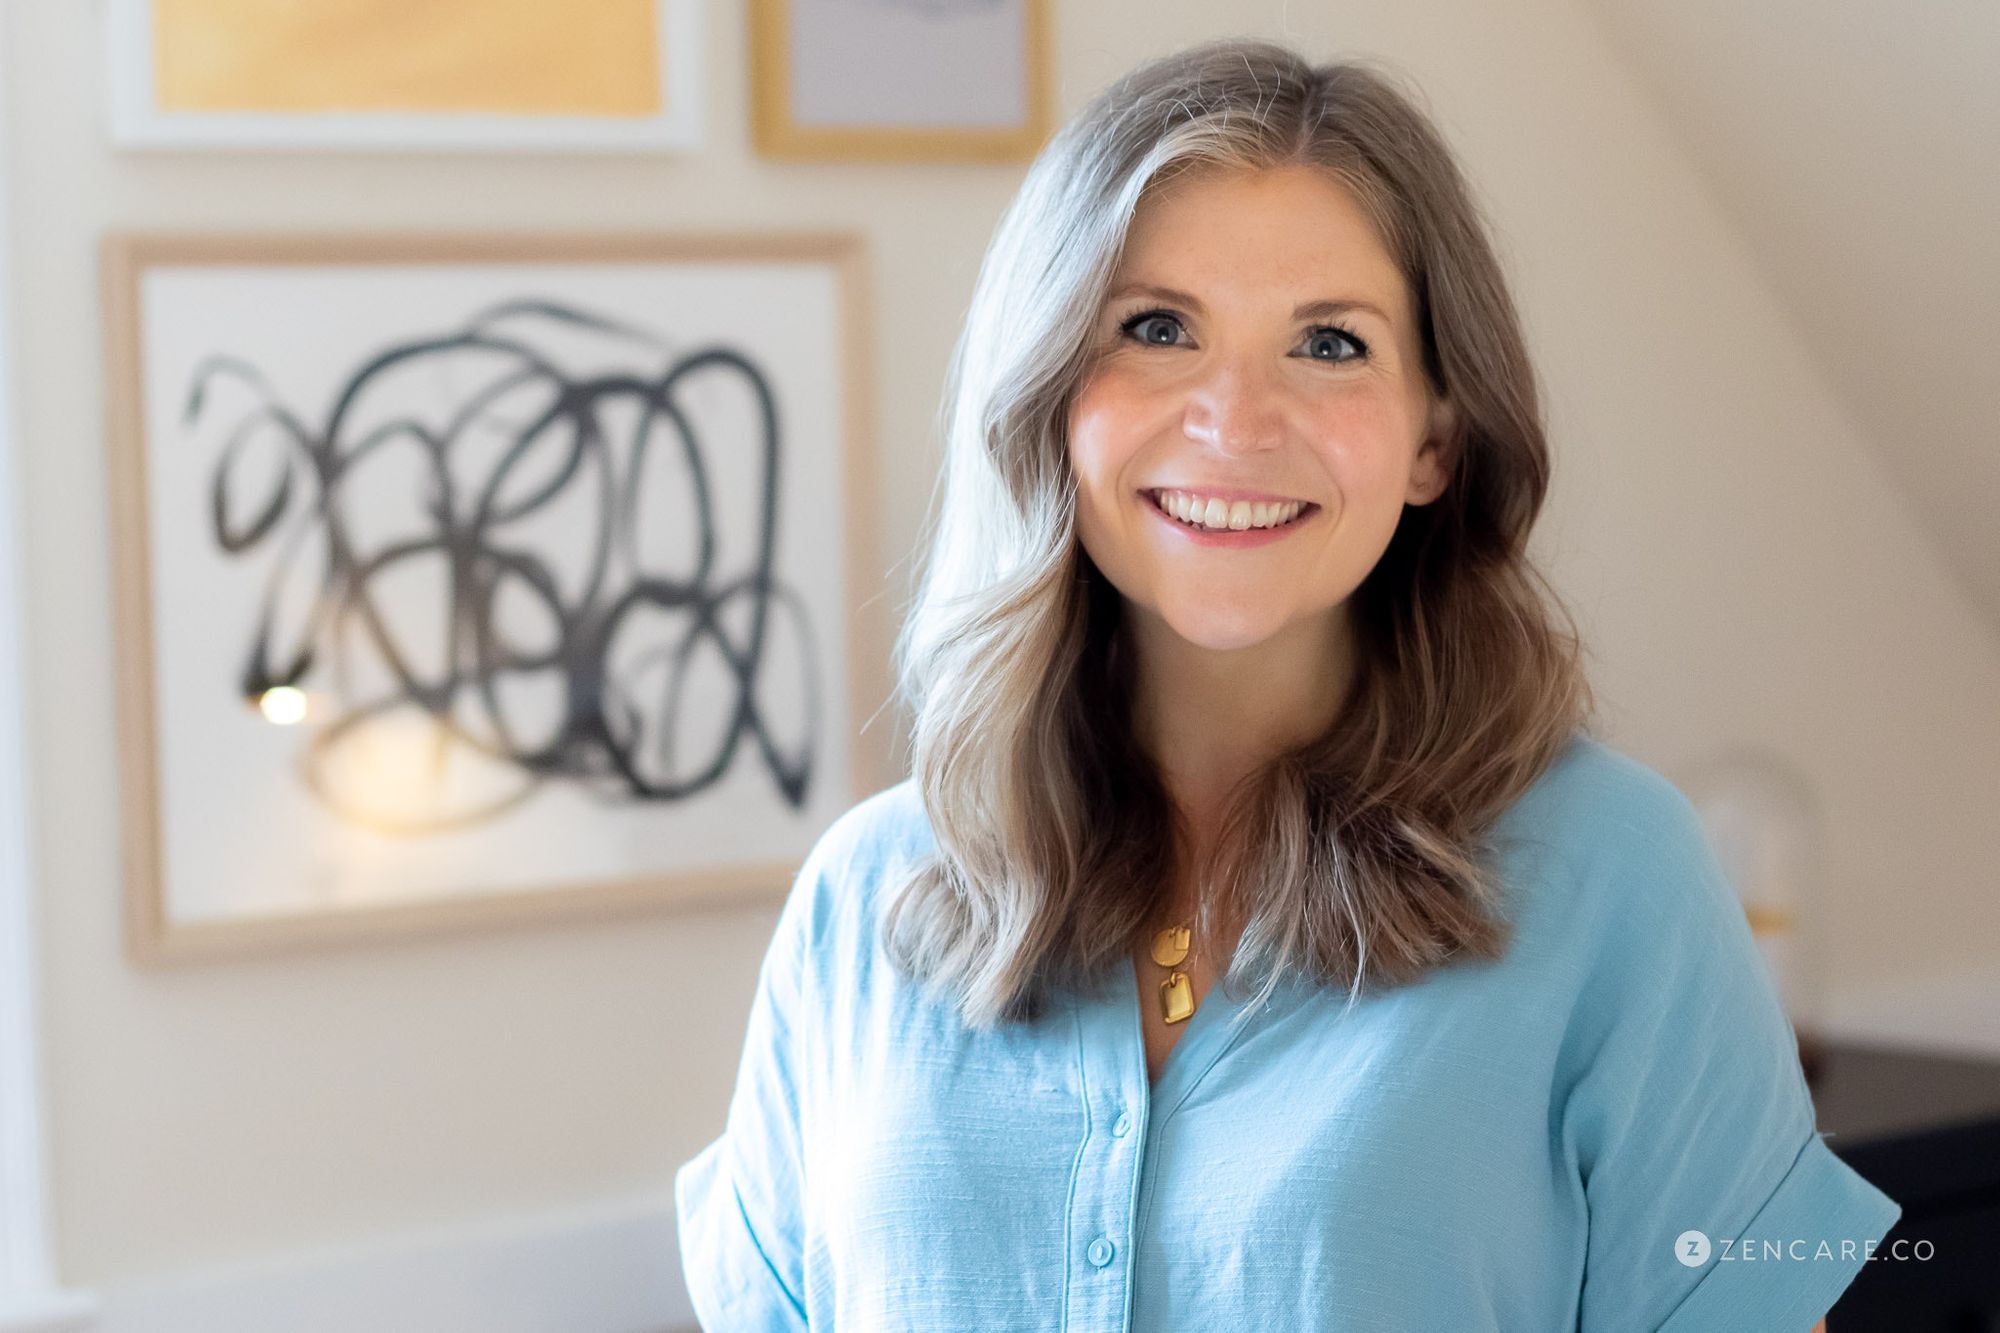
<point>1324,334</point>
<point>1147,317</point>
<point>1330,332</point>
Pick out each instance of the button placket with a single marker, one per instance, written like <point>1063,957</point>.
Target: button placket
<point>1108,1167</point>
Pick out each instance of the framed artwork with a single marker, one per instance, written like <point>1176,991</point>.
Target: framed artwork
<point>465,579</point>
<point>900,80</point>
<point>384,74</point>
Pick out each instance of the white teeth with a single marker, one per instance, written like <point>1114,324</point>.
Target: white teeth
<point>1221,515</point>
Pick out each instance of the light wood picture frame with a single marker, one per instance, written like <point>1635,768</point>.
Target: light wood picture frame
<point>458,75</point>
<point>467,580</point>
<point>901,80</point>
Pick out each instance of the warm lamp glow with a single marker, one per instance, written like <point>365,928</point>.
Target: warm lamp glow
<point>283,704</point>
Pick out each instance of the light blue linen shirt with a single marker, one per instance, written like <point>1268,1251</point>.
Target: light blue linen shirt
<point>1520,1144</point>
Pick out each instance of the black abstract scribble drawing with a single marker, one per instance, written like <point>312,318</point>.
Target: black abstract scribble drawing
<point>613,721</point>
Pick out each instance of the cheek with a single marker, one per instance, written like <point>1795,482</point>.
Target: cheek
<point>1102,442</point>
<point>1366,450</point>
<point>1109,425</point>
<point>1100,435</point>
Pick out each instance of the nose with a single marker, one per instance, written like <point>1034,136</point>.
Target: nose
<point>1236,409</point>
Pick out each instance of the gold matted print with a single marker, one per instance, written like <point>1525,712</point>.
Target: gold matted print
<point>405,74</point>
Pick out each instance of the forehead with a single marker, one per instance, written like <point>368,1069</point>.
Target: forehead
<point>1249,228</point>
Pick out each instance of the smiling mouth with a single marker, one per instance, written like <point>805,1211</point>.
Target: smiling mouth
<point>1273,516</point>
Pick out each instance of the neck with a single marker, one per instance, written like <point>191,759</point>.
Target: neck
<point>1210,717</point>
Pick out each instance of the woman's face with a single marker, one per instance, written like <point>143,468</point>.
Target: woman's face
<point>1257,345</point>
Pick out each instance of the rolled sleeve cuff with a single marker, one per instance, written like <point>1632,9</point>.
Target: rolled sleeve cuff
<point>1796,1256</point>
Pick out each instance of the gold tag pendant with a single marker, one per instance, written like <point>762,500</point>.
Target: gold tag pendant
<point>1170,946</point>
<point>1176,997</point>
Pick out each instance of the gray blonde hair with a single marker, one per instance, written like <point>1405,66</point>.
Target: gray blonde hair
<point>1357,859</point>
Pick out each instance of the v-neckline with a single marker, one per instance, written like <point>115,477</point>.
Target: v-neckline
<point>1209,1032</point>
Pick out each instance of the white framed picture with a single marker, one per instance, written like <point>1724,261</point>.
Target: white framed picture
<point>468,579</point>
<point>443,74</point>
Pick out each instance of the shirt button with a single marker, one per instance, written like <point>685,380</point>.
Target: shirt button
<point>1122,1125</point>
<point>1100,1251</point>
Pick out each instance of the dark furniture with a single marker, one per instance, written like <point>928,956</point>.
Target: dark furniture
<point>1924,1127</point>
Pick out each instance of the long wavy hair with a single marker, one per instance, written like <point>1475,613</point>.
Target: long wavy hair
<point>1358,858</point>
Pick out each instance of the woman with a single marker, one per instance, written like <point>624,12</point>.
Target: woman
<point>1262,942</point>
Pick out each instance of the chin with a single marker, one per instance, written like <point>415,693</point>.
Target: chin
<point>1221,633</point>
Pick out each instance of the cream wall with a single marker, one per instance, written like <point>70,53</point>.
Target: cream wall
<point>1743,562</point>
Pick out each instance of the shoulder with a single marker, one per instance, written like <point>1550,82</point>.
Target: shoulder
<point>832,902</point>
<point>1646,935</point>
<point>876,832</point>
<point>1611,858</point>
<point>1598,801</point>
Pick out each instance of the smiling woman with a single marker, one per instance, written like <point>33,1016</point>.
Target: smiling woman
<point>1207,384</point>
<point>1262,939</point>
<point>1295,445</point>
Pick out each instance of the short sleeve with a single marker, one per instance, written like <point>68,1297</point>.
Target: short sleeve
<point>739,1202</point>
<point>1712,1201</point>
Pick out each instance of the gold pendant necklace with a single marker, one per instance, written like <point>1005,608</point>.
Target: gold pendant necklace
<point>1170,949</point>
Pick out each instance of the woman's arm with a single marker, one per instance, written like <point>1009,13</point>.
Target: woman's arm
<point>1640,1116</point>
<point>740,1202</point>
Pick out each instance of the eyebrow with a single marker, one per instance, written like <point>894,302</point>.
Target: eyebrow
<point>1309,310</point>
